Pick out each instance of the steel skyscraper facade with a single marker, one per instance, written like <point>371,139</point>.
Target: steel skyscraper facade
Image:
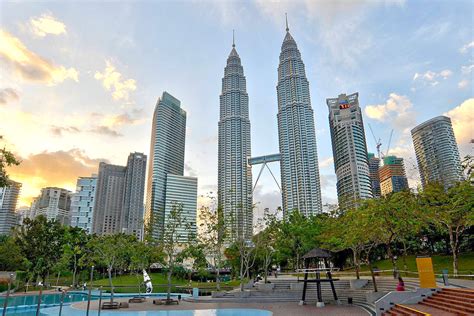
<point>296,131</point>
<point>437,152</point>
<point>8,201</point>
<point>349,148</point>
<point>134,193</point>
<point>82,203</point>
<point>234,174</point>
<point>168,135</point>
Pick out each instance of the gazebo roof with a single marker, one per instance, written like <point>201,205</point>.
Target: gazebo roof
<point>317,253</point>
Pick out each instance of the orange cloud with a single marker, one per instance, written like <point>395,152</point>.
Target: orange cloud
<point>29,66</point>
<point>59,168</point>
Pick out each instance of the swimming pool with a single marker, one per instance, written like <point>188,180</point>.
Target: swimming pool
<point>26,305</point>
<point>70,311</point>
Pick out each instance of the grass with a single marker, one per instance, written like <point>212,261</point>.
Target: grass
<point>129,283</point>
<point>440,262</point>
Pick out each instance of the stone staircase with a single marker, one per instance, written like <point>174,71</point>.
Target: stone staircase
<point>455,301</point>
<point>402,310</point>
<point>447,302</point>
<point>287,290</point>
<point>389,284</point>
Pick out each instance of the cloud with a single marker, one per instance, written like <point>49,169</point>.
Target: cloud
<point>467,69</point>
<point>118,120</point>
<point>105,130</point>
<point>47,24</point>
<point>398,110</point>
<point>30,66</point>
<point>462,118</point>
<point>59,168</point>
<point>466,47</point>
<point>59,130</point>
<point>190,171</point>
<point>326,162</point>
<point>463,84</point>
<point>332,34</point>
<point>8,95</point>
<point>112,81</point>
<point>431,77</point>
<point>263,200</point>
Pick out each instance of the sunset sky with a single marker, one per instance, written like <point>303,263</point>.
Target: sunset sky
<point>80,79</point>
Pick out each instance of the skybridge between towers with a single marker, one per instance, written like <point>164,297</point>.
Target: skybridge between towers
<point>264,161</point>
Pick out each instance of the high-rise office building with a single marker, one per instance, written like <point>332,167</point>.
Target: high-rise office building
<point>119,196</point>
<point>54,204</point>
<point>168,135</point>
<point>299,168</point>
<point>181,193</point>
<point>235,175</point>
<point>109,196</point>
<point>349,149</point>
<point>133,207</point>
<point>437,152</point>
<point>374,165</point>
<point>8,200</point>
<point>82,203</point>
<point>392,175</point>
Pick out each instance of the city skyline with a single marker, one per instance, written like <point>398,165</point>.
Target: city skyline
<point>100,110</point>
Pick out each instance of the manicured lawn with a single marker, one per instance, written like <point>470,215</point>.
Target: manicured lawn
<point>129,283</point>
<point>440,262</point>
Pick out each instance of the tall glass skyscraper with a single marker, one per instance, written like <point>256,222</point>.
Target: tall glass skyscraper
<point>374,166</point>
<point>168,134</point>
<point>82,203</point>
<point>134,192</point>
<point>437,151</point>
<point>297,138</point>
<point>8,201</point>
<point>349,150</point>
<point>234,174</point>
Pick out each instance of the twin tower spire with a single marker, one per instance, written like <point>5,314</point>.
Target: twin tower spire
<point>300,184</point>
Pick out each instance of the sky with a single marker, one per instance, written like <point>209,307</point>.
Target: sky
<point>79,79</point>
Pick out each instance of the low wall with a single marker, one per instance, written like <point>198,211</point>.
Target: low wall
<point>387,301</point>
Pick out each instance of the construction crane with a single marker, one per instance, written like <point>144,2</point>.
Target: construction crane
<point>378,143</point>
<point>389,142</point>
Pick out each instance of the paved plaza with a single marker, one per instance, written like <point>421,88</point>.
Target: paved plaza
<point>278,309</point>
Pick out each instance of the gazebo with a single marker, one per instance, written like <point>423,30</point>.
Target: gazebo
<point>321,258</point>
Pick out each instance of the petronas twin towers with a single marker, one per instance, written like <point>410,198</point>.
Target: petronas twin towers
<point>297,141</point>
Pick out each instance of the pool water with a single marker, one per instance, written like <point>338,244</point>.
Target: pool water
<point>46,299</point>
<point>70,311</point>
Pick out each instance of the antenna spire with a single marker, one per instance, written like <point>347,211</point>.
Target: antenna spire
<point>233,38</point>
<point>286,18</point>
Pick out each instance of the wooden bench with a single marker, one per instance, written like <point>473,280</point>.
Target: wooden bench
<point>165,301</point>
<point>110,305</point>
<point>138,299</point>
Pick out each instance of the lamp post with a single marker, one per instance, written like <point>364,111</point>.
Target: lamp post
<point>90,289</point>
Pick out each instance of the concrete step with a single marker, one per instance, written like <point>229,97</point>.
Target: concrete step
<point>448,308</point>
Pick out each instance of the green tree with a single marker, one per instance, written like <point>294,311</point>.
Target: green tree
<point>75,247</point>
<point>7,159</point>
<point>141,255</point>
<point>451,211</point>
<point>213,234</point>
<point>110,251</point>
<point>11,258</point>
<point>265,241</point>
<point>41,242</point>
<point>295,236</point>
<point>171,242</point>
